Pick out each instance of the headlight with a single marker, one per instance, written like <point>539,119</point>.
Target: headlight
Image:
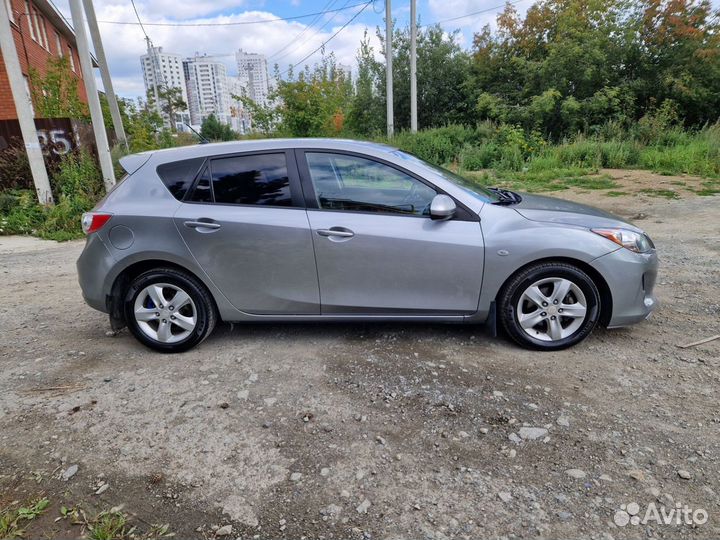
<point>634,241</point>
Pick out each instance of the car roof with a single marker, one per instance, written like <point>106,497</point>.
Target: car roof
<point>133,162</point>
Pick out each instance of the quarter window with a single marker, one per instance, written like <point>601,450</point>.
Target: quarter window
<point>343,182</point>
<point>179,175</point>
<point>259,179</point>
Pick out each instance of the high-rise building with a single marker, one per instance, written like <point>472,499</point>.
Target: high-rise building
<point>207,89</point>
<point>162,71</point>
<point>253,74</point>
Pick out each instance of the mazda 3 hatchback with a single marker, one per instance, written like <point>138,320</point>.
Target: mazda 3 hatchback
<point>333,230</point>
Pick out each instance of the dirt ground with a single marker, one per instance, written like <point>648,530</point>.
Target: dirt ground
<point>370,431</point>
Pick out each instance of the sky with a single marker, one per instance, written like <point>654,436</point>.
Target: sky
<point>283,42</point>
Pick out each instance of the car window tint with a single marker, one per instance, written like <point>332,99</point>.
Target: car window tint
<point>179,175</point>
<point>260,179</point>
<point>344,182</point>
<point>202,191</point>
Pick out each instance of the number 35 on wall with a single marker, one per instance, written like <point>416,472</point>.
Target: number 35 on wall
<point>54,141</point>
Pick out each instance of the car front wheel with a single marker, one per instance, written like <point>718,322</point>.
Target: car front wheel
<point>169,310</point>
<point>549,306</point>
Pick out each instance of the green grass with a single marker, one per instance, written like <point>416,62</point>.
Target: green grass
<point>615,193</point>
<point>546,180</point>
<point>666,193</point>
<point>14,519</point>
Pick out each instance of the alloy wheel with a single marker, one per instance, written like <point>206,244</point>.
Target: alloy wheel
<point>551,309</point>
<point>165,313</point>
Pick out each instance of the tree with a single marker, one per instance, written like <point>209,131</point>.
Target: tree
<point>572,65</point>
<point>316,104</point>
<point>263,118</point>
<point>443,69</point>
<point>171,102</point>
<point>367,110</point>
<point>143,126</point>
<point>214,130</point>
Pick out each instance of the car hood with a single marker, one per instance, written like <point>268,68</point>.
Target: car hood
<point>552,210</point>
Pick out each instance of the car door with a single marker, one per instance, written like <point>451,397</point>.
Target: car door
<point>244,221</point>
<point>377,250</point>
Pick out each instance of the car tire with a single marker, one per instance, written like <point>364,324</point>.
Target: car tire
<point>152,316</point>
<point>549,306</point>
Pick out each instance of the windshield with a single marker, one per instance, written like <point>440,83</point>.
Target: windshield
<point>476,190</point>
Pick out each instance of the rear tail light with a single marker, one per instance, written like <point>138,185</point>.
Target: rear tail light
<point>94,221</point>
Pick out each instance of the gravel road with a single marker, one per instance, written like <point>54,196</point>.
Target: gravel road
<point>369,431</point>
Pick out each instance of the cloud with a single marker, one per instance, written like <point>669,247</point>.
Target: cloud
<point>124,44</point>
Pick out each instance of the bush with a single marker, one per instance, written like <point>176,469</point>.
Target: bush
<point>439,145</point>
<point>14,168</point>
<point>77,185</point>
<point>20,212</point>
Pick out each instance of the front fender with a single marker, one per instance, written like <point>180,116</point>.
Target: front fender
<point>512,242</point>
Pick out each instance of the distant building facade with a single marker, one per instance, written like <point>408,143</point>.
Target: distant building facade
<point>163,70</point>
<point>207,89</point>
<point>253,75</point>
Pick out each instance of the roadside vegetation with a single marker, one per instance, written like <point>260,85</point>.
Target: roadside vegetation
<point>113,524</point>
<point>540,103</point>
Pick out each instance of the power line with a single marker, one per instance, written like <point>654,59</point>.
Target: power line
<point>312,23</point>
<point>238,23</point>
<point>330,38</point>
<point>138,18</point>
<point>479,12</point>
<point>306,40</point>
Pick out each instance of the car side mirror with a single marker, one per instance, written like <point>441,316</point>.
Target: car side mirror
<point>442,208</point>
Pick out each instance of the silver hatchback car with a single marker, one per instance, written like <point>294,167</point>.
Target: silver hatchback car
<point>333,230</point>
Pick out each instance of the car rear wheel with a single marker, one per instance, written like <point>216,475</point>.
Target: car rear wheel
<point>169,310</point>
<point>549,306</point>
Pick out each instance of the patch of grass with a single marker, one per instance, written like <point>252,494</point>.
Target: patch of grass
<point>615,193</point>
<point>536,181</point>
<point>590,182</point>
<point>113,524</point>
<point>110,525</point>
<point>666,193</point>
<point>707,192</point>
<point>13,520</point>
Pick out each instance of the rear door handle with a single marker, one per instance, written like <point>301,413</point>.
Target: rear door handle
<point>336,231</point>
<point>202,224</point>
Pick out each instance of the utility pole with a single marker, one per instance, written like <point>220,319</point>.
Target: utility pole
<point>105,73</point>
<point>96,117</point>
<point>389,70</point>
<point>413,67</point>
<point>23,109</point>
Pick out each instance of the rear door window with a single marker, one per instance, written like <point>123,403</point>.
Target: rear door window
<point>260,179</point>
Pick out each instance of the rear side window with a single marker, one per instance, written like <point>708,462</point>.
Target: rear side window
<point>179,175</point>
<point>261,179</point>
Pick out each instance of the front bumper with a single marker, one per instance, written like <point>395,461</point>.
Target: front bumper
<point>631,278</point>
<point>93,266</point>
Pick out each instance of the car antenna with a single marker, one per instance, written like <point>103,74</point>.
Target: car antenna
<point>203,140</point>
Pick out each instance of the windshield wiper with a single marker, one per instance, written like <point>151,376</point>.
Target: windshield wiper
<point>505,196</point>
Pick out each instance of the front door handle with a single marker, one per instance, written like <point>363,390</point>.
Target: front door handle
<point>336,231</point>
<point>202,225</point>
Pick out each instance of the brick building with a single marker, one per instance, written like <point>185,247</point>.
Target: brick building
<point>40,32</point>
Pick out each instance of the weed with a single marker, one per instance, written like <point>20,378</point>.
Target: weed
<point>666,193</point>
<point>12,519</point>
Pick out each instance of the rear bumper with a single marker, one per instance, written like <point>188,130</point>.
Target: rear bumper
<point>93,266</point>
<point>631,278</point>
